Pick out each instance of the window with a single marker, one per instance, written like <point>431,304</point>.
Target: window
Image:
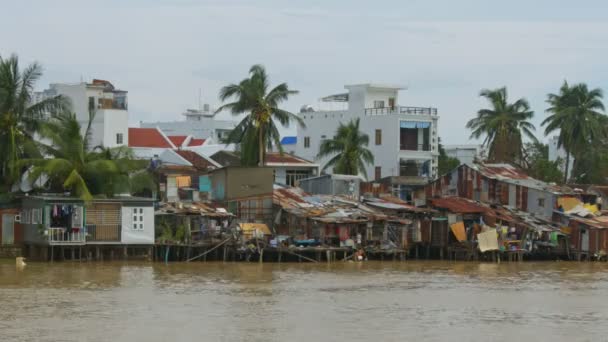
<point>91,102</point>
<point>138,218</point>
<point>541,202</point>
<point>119,139</point>
<point>378,104</point>
<point>36,216</point>
<point>306,142</point>
<point>378,173</point>
<point>293,176</point>
<point>378,137</point>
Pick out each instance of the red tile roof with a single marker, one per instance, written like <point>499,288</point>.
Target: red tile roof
<point>196,160</point>
<point>147,137</point>
<point>196,142</point>
<point>458,205</point>
<point>285,158</point>
<point>177,140</point>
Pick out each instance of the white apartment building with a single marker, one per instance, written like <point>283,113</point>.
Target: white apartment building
<point>200,124</point>
<point>110,106</point>
<point>466,154</point>
<point>403,139</point>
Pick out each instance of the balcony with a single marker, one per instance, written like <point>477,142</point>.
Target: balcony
<point>415,147</point>
<point>63,236</point>
<point>401,110</point>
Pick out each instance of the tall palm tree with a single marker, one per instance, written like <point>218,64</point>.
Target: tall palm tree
<point>504,125</point>
<point>576,113</point>
<point>257,131</point>
<point>19,117</point>
<point>348,150</point>
<point>72,165</point>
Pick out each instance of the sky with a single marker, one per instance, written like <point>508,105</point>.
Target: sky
<point>444,51</point>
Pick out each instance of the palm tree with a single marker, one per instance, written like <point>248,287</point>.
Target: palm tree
<point>576,113</point>
<point>503,126</point>
<point>19,118</point>
<point>348,150</point>
<point>72,166</point>
<point>257,131</point>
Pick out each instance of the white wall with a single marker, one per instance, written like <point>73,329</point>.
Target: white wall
<point>204,129</point>
<point>464,153</point>
<point>115,121</point>
<point>136,236</point>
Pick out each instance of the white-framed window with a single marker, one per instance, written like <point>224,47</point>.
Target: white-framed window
<point>306,142</point>
<point>378,104</point>
<point>119,140</point>
<point>138,218</point>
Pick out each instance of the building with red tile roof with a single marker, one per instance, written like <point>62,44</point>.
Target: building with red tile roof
<point>149,138</point>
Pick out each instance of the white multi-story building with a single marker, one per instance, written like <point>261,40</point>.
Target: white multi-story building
<point>108,104</point>
<point>200,124</point>
<point>466,154</point>
<point>403,139</point>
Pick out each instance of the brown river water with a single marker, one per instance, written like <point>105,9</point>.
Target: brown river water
<point>372,301</point>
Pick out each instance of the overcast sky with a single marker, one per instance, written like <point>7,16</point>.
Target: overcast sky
<point>163,51</point>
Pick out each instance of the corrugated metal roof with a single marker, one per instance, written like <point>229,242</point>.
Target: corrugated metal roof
<point>514,175</point>
<point>458,205</point>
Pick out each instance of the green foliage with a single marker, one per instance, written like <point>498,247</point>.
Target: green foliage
<point>504,125</point>
<point>591,165</point>
<point>538,164</point>
<point>180,233</point>
<point>74,167</point>
<point>446,164</point>
<point>19,118</point>
<point>348,150</point>
<point>576,114</point>
<point>257,132</point>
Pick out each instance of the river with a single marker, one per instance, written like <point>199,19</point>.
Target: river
<point>373,301</point>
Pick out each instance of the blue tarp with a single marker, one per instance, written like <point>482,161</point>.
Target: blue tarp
<point>414,124</point>
<point>289,140</point>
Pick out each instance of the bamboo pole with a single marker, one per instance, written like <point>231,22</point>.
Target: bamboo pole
<point>212,249</point>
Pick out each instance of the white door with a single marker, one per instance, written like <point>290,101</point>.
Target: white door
<point>8,229</point>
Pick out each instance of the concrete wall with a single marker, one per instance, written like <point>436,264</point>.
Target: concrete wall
<point>115,121</point>
<point>237,182</point>
<point>322,185</point>
<point>132,233</point>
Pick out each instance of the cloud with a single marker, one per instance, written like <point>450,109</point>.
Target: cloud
<point>163,51</point>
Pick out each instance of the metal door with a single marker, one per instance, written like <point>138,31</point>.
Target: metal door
<point>8,229</point>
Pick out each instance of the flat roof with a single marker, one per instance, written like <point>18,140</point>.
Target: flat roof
<point>376,85</point>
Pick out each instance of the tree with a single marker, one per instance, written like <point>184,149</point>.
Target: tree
<point>73,166</point>
<point>348,150</point>
<point>538,164</point>
<point>576,113</point>
<point>446,163</point>
<point>257,131</point>
<point>504,125</point>
<point>19,118</point>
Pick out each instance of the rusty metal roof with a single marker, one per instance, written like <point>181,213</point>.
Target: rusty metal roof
<point>459,205</point>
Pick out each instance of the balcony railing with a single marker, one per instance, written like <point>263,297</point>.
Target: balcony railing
<point>62,236</point>
<point>418,147</point>
<point>401,110</point>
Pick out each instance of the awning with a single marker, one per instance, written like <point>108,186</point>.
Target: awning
<point>414,124</point>
<point>250,228</point>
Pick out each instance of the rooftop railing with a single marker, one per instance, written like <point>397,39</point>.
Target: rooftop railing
<point>401,110</point>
